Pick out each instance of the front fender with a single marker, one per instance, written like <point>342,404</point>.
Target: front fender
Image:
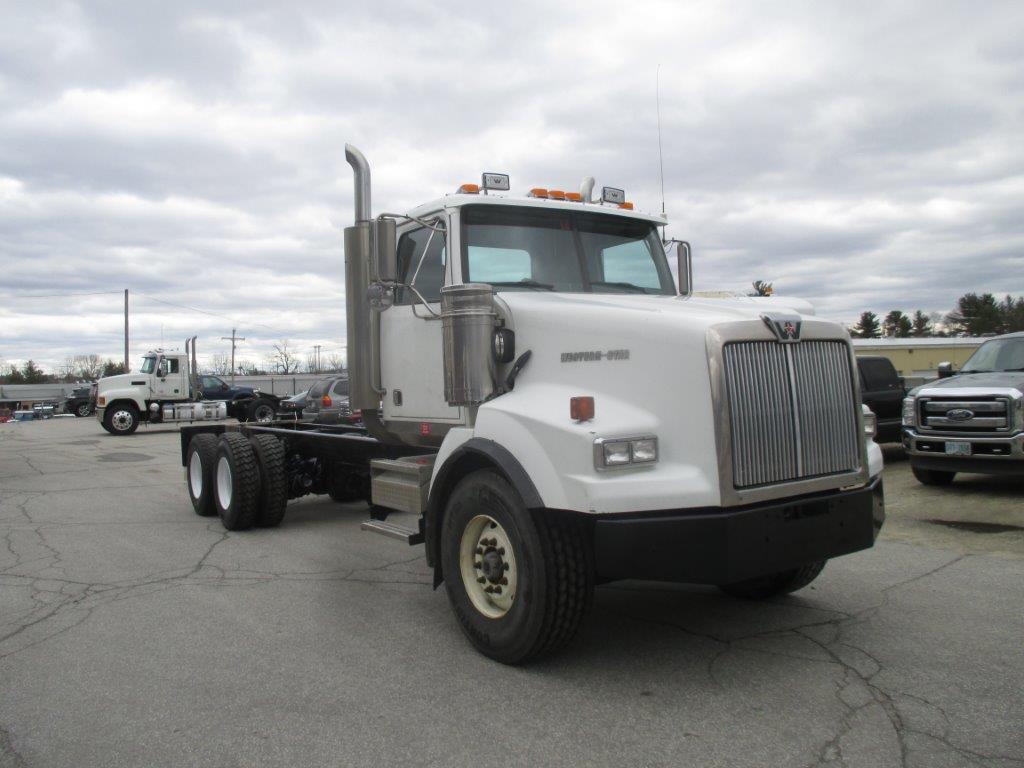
<point>115,395</point>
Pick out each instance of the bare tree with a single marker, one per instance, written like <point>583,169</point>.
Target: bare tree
<point>220,364</point>
<point>284,360</point>
<point>335,363</point>
<point>86,367</point>
<point>312,366</point>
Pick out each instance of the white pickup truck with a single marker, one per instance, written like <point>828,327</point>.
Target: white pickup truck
<point>556,411</point>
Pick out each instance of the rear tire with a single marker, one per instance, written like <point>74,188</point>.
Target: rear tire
<point>520,583</point>
<point>200,461</point>
<point>237,482</point>
<point>932,476</point>
<point>83,410</point>
<point>121,418</point>
<point>774,584</point>
<point>261,411</point>
<point>273,498</point>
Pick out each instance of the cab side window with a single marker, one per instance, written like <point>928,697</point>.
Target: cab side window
<point>423,270</point>
<point>172,364</point>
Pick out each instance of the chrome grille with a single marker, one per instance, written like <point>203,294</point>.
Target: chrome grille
<point>959,415</point>
<point>792,411</point>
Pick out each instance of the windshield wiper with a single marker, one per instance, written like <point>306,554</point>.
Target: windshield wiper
<point>628,286</point>
<point>524,283</point>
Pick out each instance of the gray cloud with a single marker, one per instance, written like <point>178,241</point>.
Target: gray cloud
<point>861,157</point>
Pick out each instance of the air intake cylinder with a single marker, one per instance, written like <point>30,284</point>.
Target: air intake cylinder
<point>468,320</point>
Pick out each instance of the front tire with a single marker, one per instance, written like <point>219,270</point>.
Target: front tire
<point>781,583</point>
<point>83,410</point>
<point>121,419</point>
<point>237,482</point>
<point>200,466</point>
<point>932,476</point>
<point>520,583</point>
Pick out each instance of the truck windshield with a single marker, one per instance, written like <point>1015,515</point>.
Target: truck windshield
<point>148,364</point>
<point>536,249</point>
<point>997,355</point>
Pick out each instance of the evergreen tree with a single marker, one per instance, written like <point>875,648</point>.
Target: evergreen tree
<point>976,315</point>
<point>921,326</point>
<point>1013,314</point>
<point>897,325</point>
<point>867,327</point>
<point>110,368</point>
<point>33,374</point>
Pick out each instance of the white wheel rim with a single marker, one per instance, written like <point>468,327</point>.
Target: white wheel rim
<point>487,563</point>
<point>195,475</point>
<point>224,482</point>
<point>121,420</point>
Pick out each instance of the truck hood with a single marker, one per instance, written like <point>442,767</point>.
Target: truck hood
<point>121,381</point>
<point>995,379</point>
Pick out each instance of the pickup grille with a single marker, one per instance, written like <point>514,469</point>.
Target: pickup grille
<point>960,415</point>
<point>792,411</point>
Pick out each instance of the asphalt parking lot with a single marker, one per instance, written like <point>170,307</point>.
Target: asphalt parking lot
<point>134,633</point>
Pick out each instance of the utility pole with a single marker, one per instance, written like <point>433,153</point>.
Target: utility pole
<point>233,339</point>
<point>126,368</point>
<point>317,358</point>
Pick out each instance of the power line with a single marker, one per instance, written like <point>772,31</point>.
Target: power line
<point>62,295</point>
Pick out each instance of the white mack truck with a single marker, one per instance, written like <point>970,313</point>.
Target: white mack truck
<point>558,412</point>
<point>168,388</point>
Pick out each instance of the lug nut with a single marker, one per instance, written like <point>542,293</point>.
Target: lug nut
<point>478,564</point>
<point>479,550</point>
<point>504,581</point>
<point>481,579</point>
<point>489,590</point>
<point>497,590</point>
<point>501,550</point>
<point>504,566</point>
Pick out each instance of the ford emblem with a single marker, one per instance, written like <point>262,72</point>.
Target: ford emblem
<point>959,414</point>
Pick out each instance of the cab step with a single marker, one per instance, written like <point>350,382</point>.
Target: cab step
<point>384,528</point>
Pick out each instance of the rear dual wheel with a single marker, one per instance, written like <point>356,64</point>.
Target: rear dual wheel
<point>240,479</point>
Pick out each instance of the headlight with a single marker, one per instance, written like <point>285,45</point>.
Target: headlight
<point>615,452</point>
<point>908,412</point>
<point>870,422</point>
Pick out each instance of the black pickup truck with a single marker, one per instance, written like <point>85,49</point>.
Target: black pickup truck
<point>882,390</point>
<point>81,401</point>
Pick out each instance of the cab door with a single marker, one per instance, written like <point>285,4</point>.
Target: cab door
<point>171,385</point>
<point>412,360</point>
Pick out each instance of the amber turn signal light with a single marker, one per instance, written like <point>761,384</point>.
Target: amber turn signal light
<point>581,408</point>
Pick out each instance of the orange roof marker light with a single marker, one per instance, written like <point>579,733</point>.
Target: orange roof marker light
<point>538,192</point>
<point>613,195</point>
<point>626,206</point>
<point>469,189</point>
<point>574,197</point>
<point>556,194</point>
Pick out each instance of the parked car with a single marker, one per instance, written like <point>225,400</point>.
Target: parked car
<point>971,421</point>
<point>327,402</point>
<point>5,415</point>
<point>292,407</point>
<point>81,401</point>
<point>882,390</point>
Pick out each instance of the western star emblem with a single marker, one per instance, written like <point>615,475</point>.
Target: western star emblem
<point>785,327</point>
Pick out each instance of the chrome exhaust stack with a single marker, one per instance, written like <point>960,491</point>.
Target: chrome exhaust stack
<point>587,188</point>
<point>363,330</point>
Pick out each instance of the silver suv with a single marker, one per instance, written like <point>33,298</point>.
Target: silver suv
<point>327,402</point>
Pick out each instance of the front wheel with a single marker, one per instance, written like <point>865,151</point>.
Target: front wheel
<point>774,584</point>
<point>83,410</point>
<point>121,419</point>
<point>519,582</point>
<point>932,476</point>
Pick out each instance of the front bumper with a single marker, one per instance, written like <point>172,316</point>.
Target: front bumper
<point>1002,453</point>
<point>723,546</point>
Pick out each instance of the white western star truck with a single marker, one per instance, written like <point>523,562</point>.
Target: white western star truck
<point>557,412</point>
<point>168,388</point>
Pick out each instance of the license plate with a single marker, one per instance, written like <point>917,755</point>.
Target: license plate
<point>957,448</point>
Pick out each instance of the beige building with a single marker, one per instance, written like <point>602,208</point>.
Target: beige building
<point>918,358</point>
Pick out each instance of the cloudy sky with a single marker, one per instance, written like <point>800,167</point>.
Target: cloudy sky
<point>859,155</point>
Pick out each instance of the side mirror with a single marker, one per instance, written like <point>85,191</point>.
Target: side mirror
<point>945,370</point>
<point>385,245</point>
<point>685,268</point>
<point>161,370</point>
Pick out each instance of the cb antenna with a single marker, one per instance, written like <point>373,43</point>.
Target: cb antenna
<point>661,159</point>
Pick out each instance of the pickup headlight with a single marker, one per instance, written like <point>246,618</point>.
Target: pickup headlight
<point>615,452</point>
<point>870,422</point>
<point>908,412</point>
